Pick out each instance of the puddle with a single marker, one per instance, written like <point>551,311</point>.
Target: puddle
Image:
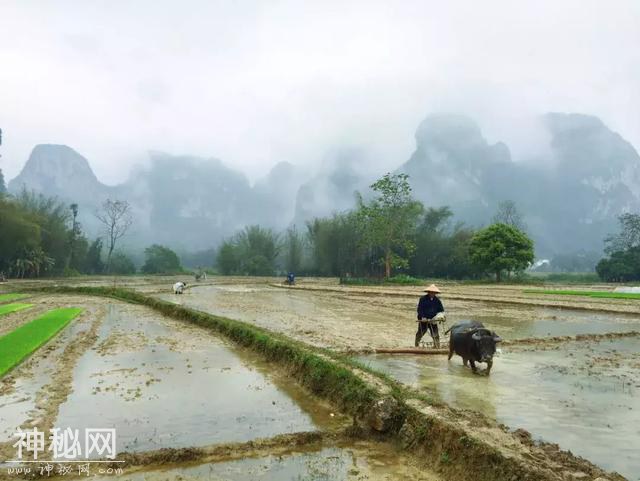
<point>327,464</point>
<point>161,383</point>
<point>583,396</point>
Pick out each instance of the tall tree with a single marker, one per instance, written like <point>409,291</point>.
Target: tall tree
<point>3,187</point>
<point>336,246</point>
<point>499,248</point>
<point>115,217</point>
<point>390,219</point>
<point>252,251</point>
<point>94,264</point>
<point>122,264</point>
<point>628,237</point>
<point>227,258</point>
<point>294,249</point>
<point>258,249</point>
<point>74,233</point>
<point>52,216</point>
<point>509,214</point>
<point>161,260</point>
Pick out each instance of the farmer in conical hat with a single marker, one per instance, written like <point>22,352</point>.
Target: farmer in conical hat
<point>428,308</point>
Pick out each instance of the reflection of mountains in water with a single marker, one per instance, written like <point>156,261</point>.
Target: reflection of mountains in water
<point>569,200</point>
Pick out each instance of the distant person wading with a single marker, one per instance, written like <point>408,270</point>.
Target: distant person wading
<point>429,307</point>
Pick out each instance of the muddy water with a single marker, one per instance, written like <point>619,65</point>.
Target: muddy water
<point>327,464</point>
<point>346,321</point>
<point>584,396</point>
<point>162,383</point>
<point>544,322</point>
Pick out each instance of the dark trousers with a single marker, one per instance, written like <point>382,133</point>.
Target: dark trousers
<point>432,327</point>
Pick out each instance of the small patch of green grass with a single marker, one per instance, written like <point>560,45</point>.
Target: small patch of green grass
<point>598,294</point>
<point>12,296</point>
<point>8,308</point>
<point>18,344</point>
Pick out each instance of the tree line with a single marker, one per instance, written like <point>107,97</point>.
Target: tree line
<point>387,234</point>
<point>42,236</point>
<point>622,261</point>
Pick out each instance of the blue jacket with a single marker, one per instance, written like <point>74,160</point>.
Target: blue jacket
<point>428,308</point>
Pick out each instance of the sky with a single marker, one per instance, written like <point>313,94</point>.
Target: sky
<point>254,83</point>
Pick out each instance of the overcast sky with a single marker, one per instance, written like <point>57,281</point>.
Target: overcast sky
<point>258,82</point>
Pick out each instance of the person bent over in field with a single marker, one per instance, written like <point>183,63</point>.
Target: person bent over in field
<point>179,287</point>
<point>428,307</point>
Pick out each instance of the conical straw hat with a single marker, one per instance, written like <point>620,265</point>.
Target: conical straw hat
<point>432,288</point>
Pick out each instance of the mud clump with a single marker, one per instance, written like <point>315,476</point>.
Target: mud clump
<point>385,415</point>
<point>524,436</point>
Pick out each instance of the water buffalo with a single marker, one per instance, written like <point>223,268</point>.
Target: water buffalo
<point>473,342</point>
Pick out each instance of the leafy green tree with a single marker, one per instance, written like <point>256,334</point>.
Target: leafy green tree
<point>499,248</point>
<point>161,260</point>
<point>257,248</point>
<point>39,261</point>
<point>227,259</point>
<point>258,265</point>
<point>78,263</point>
<point>18,231</point>
<point>122,264</point>
<point>293,250</point>
<point>52,217</point>
<point>623,249</point>
<point>94,264</point>
<point>621,266</point>
<point>336,247</point>
<point>253,251</point>
<point>390,219</point>
<point>442,250</point>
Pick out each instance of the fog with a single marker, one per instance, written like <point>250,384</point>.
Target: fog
<point>256,83</point>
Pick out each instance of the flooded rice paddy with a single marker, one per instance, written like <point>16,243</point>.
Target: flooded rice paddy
<point>585,396</point>
<point>345,321</point>
<point>166,384</point>
<point>162,383</point>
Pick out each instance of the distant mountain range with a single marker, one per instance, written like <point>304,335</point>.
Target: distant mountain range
<point>569,201</point>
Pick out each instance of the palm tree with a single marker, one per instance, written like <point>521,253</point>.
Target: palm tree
<point>22,265</point>
<point>39,261</point>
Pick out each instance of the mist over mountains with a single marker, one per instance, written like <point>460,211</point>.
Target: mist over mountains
<point>569,199</point>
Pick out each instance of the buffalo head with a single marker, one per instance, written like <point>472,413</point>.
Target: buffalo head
<point>485,341</point>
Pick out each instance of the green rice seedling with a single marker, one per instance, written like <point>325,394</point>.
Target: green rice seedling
<point>8,308</point>
<point>20,343</point>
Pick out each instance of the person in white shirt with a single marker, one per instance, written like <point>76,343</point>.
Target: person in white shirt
<point>179,287</point>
